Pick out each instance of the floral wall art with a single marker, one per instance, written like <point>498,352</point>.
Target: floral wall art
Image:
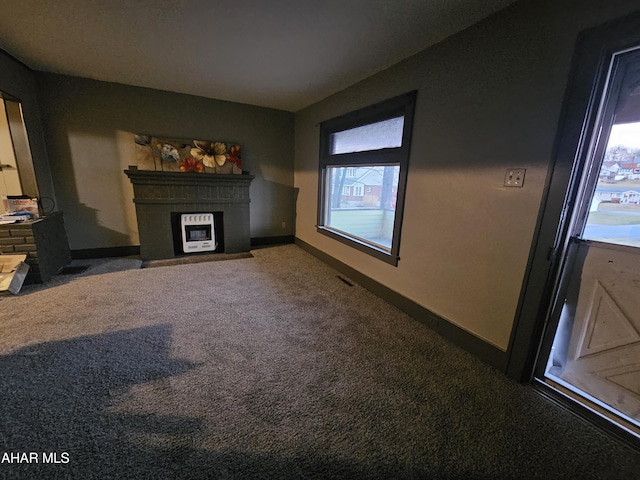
<point>180,155</point>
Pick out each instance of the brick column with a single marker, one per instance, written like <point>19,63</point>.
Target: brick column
<point>44,241</point>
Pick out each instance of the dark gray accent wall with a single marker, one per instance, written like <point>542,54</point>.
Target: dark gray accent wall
<point>88,128</point>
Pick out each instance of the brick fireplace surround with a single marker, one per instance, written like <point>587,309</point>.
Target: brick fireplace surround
<point>158,195</point>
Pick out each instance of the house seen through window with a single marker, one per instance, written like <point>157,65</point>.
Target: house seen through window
<point>363,170</point>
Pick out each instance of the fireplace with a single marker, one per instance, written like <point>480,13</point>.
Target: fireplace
<point>162,197</point>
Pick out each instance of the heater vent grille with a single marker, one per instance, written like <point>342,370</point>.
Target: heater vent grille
<point>198,232</point>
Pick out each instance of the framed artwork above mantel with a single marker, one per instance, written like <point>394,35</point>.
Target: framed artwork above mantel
<point>184,155</point>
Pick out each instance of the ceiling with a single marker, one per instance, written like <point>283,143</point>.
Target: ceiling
<point>284,54</point>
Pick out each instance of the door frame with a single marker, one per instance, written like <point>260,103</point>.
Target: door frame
<point>548,257</point>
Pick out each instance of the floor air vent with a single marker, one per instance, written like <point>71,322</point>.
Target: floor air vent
<point>73,270</point>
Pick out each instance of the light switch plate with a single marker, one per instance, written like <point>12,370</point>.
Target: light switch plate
<point>514,177</point>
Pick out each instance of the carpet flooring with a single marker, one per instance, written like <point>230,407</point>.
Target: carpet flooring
<point>270,367</point>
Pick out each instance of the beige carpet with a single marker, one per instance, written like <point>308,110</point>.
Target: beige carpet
<point>264,367</point>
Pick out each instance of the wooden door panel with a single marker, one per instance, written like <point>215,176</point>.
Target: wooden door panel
<point>606,325</point>
<point>604,350</point>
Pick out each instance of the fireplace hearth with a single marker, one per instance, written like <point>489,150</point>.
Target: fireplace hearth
<point>160,196</point>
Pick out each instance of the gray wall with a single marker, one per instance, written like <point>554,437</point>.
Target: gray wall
<point>88,127</point>
<point>488,99</point>
<point>19,82</point>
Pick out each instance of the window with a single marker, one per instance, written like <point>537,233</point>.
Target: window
<point>363,173</point>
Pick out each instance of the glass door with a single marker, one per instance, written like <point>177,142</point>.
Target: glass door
<point>593,353</point>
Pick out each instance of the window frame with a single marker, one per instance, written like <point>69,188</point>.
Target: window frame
<point>402,105</point>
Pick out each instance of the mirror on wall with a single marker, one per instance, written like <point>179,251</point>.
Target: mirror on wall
<point>17,175</point>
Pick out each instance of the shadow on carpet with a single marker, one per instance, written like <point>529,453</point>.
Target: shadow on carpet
<point>59,403</point>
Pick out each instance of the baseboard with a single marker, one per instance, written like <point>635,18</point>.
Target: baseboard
<point>264,241</point>
<point>486,352</point>
<point>107,252</point>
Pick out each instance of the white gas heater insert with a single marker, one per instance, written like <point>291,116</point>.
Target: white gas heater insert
<point>198,232</point>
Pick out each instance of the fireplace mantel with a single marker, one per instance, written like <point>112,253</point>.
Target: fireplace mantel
<point>158,195</point>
